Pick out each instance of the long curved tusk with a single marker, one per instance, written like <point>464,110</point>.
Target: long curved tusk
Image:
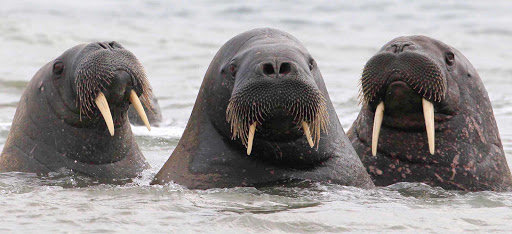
<point>134,99</point>
<point>252,130</point>
<point>102,104</point>
<point>307,132</point>
<point>377,122</point>
<point>428,112</point>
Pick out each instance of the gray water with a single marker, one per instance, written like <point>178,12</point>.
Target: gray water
<point>176,41</point>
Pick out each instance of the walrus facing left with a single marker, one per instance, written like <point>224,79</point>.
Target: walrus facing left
<point>73,115</point>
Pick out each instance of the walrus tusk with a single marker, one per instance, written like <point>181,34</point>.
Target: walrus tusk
<point>428,112</point>
<point>377,122</point>
<point>252,130</point>
<point>134,99</point>
<point>307,133</point>
<point>102,104</point>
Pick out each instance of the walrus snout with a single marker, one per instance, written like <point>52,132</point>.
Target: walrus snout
<point>119,89</point>
<point>120,94</point>
<point>109,77</point>
<point>256,102</point>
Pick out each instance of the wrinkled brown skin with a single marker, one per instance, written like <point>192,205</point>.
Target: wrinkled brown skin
<point>468,155</point>
<point>48,135</point>
<point>207,157</point>
<point>153,113</point>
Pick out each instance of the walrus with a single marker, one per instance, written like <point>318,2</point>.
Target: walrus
<point>73,115</point>
<point>263,116</point>
<point>426,117</point>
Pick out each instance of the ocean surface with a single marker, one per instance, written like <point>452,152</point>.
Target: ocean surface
<point>175,41</point>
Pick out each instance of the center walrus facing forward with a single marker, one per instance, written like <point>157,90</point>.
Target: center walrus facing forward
<point>426,117</point>
<point>263,116</point>
<point>73,115</point>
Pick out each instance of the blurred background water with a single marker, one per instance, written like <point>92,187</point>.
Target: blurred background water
<point>175,41</point>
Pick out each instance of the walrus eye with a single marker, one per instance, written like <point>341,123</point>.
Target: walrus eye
<point>58,68</point>
<point>450,58</point>
<point>232,70</point>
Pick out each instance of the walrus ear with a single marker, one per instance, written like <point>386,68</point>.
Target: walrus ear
<point>449,58</point>
<point>58,69</point>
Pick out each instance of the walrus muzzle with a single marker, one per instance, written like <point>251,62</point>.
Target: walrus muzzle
<point>418,71</point>
<point>251,104</point>
<point>95,75</point>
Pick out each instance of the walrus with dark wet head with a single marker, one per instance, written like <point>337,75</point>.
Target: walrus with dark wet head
<point>263,116</point>
<point>426,117</point>
<point>73,115</point>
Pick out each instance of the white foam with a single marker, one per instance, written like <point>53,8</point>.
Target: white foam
<point>163,132</point>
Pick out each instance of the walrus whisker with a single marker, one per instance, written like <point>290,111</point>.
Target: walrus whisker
<point>96,72</point>
<point>102,104</point>
<point>426,73</point>
<point>311,116</point>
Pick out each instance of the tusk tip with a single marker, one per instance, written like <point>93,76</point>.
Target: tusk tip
<point>307,132</point>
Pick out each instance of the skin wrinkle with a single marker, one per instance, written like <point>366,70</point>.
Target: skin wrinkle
<point>28,155</point>
<point>34,140</point>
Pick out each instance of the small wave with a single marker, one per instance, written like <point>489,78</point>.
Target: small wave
<point>162,132</point>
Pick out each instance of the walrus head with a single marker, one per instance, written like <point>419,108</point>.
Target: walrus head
<point>409,79</point>
<point>263,115</point>
<point>104,79</point>
<point>273,97</point>
<point>427,110</point>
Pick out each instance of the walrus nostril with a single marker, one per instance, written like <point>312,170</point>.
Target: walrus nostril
<point>102,45</point>
<point>285,68</point>
<point>268,69</point>
<point>404,46</point>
